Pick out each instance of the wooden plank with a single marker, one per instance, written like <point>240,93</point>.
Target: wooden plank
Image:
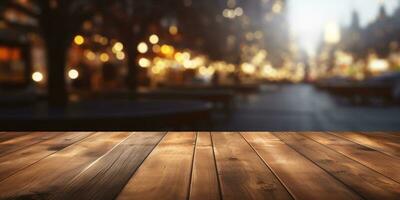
<point>166,173</point>
<point>13,162</point>
<point>366,182</point>
<point>382,142</point>
<point>107,176</point>
<point>371,158</point>
<point>4,136</point>
<point>21,142</point>
<point>46,176</point>
<point>392,134</point>
<point>242,174</point>
<point>296,172</point>
<point>204,183</point>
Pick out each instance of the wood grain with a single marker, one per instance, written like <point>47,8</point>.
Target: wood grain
<point>107,176</point>
<point>4,136</point>
<point>144,165</point>
<point>384,143</point>
<point>366,182</point>
<point>20,142</point>
<point>13,162</point>
<point>297,173</point>
<point>243,175</point>
<point>371,158</point>
<point>204,185</point>
<point>46,176</point>
<point>166,173</point>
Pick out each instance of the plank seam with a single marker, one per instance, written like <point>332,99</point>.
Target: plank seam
<point>367,146</point>
<point>95,161</point>
<point>140,164</point>
<point>78,141</point>
<point>330,174</point>
<point>305,135</point>
<point>191,168</point>
<point>267,165</point>
<point>216,166</point>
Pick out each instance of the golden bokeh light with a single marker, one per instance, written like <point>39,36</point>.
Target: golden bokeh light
<point>173,30</point>
<point>142,47</point>
<point>37,76</point>
<point>154,39</point>
<point>79,40</point>
<point>120,55</point>
<point>118,46</point>
<point>167,50</point>
<point>73,74</point>
<point>104,57</point>
<point>144,62</point>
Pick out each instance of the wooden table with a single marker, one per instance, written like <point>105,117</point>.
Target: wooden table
<point>151,165</point>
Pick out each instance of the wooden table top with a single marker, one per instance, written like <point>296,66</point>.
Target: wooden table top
<point>190,165</point>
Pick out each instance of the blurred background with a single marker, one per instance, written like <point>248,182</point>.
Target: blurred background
<point>276,65</point>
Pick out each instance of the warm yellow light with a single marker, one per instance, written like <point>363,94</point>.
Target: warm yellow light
<point>206,72</point>
<point>332,33</point>
<point>73,74</point>
<point>37,77</point>
<point>120,55</point>
<point>142,47</point>
<point>173,30</point>
<point>156,70</point>
<point>156,48</point>
<point>104,57</point>
<point>186,55</point>
<point>118,46</point>
<point>167,50</point>
<point>153,39</point>
<point>378,65</point>
<point>144,62</point>
<point>79,40</point>
<point>178,57</point>
<point>248,68</point>
<point>90,55</point>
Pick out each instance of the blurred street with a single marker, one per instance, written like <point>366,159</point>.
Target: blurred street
<point>302,108</point>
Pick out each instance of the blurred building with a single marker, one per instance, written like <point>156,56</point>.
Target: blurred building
<point>362,51</point>
<point>16,42</point>
<point>247,38</point>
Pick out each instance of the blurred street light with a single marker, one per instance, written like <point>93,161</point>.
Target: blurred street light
<point>142,47</point>
<point>144,62</point>
<point>118,46</point>
<point>153,39</point>
<point>73,74</point>
<point>37,77</point>
<point>332,33</point>
<point>173,30</point>
<point>378,65</point>
<point>79,40</point>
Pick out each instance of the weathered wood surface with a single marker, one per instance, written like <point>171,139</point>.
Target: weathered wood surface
<point>190,165</point>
